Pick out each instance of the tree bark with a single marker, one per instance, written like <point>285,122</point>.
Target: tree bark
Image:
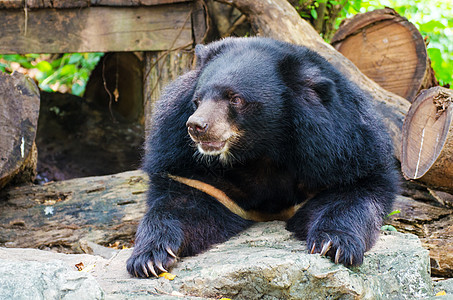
<point>278,19</point>
<point>60,215</point>
<point>19,109</point>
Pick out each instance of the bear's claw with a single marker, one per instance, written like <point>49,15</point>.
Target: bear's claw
<point>172,254</point>
<point>343,249</point>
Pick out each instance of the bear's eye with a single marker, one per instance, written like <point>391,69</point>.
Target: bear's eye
<point>236,100</point>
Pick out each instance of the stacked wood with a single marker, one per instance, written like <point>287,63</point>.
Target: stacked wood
<point>427,150</point>
<point>388,49</point>
<point>19,109</point>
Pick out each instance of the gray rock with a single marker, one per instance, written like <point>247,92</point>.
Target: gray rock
<point>54,279</point>
<point>264,262</point>
<point>444,285</point>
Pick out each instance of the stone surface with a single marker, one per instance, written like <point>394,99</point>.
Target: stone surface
<point>433,224</point>
<point>264,262</point>
<point>52,279</point>
<point>444,285</point>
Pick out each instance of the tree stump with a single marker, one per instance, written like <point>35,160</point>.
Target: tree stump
<point>388,49</point>
<point>427,150</point>
<point>19,109</point>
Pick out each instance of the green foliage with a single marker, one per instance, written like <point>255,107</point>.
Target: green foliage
<point>393,213</point>
<point>66,72</point>
<point>390,227</point>
<point>433,18</point>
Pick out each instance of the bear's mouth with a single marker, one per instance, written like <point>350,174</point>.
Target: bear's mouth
<point>211,147</point>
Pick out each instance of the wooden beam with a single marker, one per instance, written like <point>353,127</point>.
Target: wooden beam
<point>96,29</point>
<point>32,4</point>
<point>134,2</point>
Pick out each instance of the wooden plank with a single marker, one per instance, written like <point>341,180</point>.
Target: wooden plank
<point>135,2</point>
<point>96,29</point>
<point>57,4</point>
<point>32,4</point>
<point>11,4</point>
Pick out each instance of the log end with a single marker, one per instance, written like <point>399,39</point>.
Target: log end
<point>427,135</point>
<point>388,49</point>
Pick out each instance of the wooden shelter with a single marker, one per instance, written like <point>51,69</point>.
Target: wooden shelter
<point>162,29</point>
<point>149,42</point>
<point>62,26</point>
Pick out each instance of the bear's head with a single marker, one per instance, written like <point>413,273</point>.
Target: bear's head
<point>238,101</point>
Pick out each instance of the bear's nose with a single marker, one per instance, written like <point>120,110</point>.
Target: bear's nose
<point>197,126</point>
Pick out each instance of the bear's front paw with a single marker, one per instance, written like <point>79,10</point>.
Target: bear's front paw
<point>151,262</point>
<point>343,248</point>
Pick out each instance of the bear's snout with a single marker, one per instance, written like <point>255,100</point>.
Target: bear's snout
<point>197,126</point>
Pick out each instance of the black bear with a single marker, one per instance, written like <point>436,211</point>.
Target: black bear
<point>263,130</point>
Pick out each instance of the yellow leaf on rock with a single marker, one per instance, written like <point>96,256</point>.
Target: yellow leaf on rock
<point>167,276</point>
<point>224,299</point>
<point>441,293</point>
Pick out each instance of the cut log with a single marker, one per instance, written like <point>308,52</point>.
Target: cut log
<point>59,215</point>
<point>388,49</point>
<point>427,152</point>
<point>281,21</point>
<point>19,110</point>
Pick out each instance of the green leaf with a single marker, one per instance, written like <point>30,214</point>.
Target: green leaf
<point>44,66</point>
<point>75,58</point>
<point>56,63</point>
<point>77,89</point>
<point>435,55</point>
<point>68,70</point>
<point>393,213</point>
<point>431,26</point>
<point>33,56</point>
<point>313,13</point>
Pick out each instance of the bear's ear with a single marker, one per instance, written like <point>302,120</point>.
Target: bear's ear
<point>205,53</point>
<point>306,80</point>
<point>324,88</point>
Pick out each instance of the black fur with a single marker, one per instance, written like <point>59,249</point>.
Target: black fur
<point>304,129</point>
